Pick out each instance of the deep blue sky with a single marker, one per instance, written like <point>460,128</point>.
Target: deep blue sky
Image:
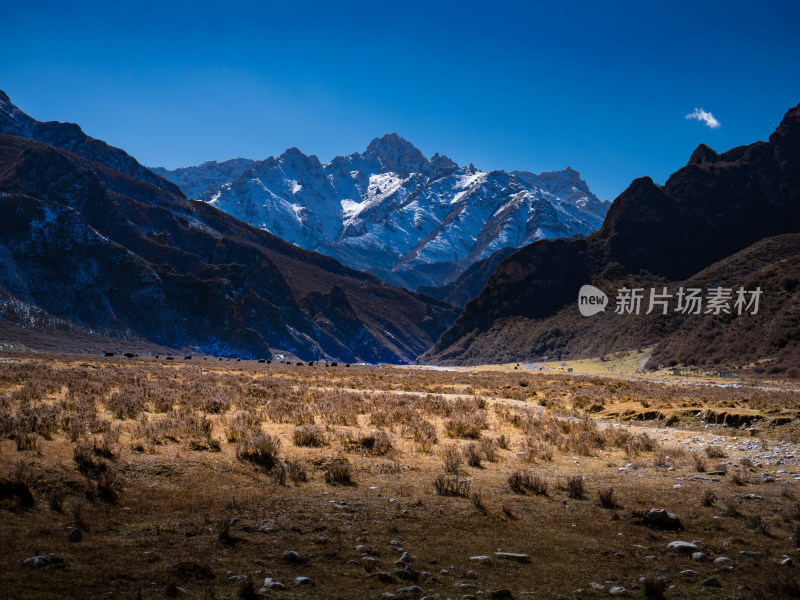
<point>601,86</point>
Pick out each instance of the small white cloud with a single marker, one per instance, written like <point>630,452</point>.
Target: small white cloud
<point>706,117</point>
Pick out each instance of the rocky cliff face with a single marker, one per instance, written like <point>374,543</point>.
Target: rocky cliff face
<point>391,211</point>
<point>710,209</point>
<point>91,239</point>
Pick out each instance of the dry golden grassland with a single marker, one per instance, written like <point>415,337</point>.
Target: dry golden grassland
<point>193,478</point>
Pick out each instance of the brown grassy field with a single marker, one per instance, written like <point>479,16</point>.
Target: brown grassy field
<point>193,478</point>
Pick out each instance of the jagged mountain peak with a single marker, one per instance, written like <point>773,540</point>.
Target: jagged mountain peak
<point>394,213</point>
<point>70,137</point>
<point>396,154</point>
<point>294,157</point>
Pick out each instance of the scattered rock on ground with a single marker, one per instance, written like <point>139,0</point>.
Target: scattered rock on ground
<point>515,556</point>
<point>682,547</point>
<point>712,582</point>
<point>76,535</point>
<point>658,518</point>
<point>413,590</point>
<point>271,584</point>
<point>407,574</point>
<point>294,557</point>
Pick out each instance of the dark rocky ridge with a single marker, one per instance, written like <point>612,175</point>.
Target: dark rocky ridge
<point>124,254</point>
<point>714,207</point>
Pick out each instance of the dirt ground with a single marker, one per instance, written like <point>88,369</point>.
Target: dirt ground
<point>201,478</point>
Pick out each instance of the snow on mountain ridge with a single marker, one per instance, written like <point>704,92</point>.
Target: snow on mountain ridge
<point>392,211</point>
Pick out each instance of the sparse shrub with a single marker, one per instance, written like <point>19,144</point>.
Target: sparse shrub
<point>715,452</point>
<point>452,459</point>
<point>479,503</point>
<point>339,472</point>
<point>77,510</point>
<point>126,404</point>
<point>28,442</point>
<point>55,498</point>
<point>109,486</point>
<point>503,442</point>
<point>296,472</point>
<point>738,478</point>
<point>639,443</point>
<point>508,511</point>
<point>215,405</point>
<point>466,426</point>
<point>575,487</point>
<point>87,461</point>
<point>654,587</point>
<point>260,449</point>
<point>451,485</point>
<point>472,455</point>
<point>224,530</point>
<point>392,467</point>
<point>241,425</point>
<point>606,498</point>
<point>732,508</point>
<point>376,442</point>
<point>310,435</point>
<point>781,587</point>
<point>536,450</point>
<point>423,432</point>
<point>699,462</point>
<point>16,486</point>
<point>661,458</point>
<point>488,448</point>
<point>278,473</point>
<point>708,497</point>
<point>522,482</point>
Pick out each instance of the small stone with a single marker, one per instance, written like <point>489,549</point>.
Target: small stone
<point>303,580</point>
<point>407,574</point>
<point>712,582</point>
<point>722,560</point>
<point>682,547</point>
<point>658,518</point>
<point>689,573</point>
<point>37,562</point>
<point>413,590</point>
<point>515,556</point>
<point>238,577</point>
<point>76,535</point>
<point>406,558</point>
<point>480,558</point>
<point>701,556</point>
<point>271,584</point>
<point>751,554</point>
<point>383,576</point>
<point>597,586</point>
<point>294,557</point>
<point>786,561</point>
<point>618,590</point>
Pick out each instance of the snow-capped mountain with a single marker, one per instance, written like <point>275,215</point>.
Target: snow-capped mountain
<point>393,212</point>
<point>94,244</point>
